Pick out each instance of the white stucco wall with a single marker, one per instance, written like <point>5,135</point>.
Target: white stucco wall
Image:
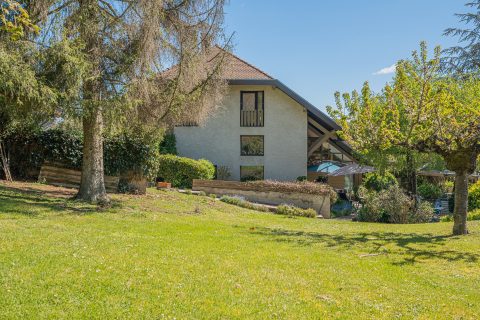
<point>284,131</point>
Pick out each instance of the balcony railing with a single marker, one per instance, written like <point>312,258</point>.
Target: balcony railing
<point>251,118</point>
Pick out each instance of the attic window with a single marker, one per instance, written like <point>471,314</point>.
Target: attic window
<point>251,108</point>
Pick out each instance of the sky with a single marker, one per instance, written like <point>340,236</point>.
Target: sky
<point>319,47</point>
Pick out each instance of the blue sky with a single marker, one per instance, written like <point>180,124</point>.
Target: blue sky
<point>319,47</point>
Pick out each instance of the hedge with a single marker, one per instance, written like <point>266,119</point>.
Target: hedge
<point>180,171</point>
<point>121,153</point>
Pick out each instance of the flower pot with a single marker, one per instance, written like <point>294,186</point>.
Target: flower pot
<point>164,185</point>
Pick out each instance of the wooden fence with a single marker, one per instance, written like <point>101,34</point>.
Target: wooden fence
<point>68,178</point>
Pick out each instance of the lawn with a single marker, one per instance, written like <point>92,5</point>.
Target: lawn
<point>168,255</point>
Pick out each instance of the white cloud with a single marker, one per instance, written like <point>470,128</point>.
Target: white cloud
<point>387,70</point>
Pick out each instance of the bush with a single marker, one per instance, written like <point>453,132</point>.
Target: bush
<point>377,182</point>
<point>181,171</point>
<point>474,196</point>
<point>424,213</point>
<point>301,178</point>
<point>295,211</point>
<point>169,144</point>
<point>392,206</point>
<point>429,191</point>
<point>240,202</point>
<point>471,216</point>
<point>29,151</point>
<point>447,186</point>
<point>123,154</point>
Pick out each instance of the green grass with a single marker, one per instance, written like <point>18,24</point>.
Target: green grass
<point>169,255</point>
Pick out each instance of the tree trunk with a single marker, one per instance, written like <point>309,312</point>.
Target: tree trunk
<point>92,185</point>
<point>5,162</point>
<point>461,203</point>
<point>411,174</point>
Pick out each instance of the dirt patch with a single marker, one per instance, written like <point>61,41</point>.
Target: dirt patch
<point>40,189</point>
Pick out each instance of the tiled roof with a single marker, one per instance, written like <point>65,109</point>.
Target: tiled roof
<point>236,68</point>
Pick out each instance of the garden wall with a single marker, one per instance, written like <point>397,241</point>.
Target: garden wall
<point>320,203</point>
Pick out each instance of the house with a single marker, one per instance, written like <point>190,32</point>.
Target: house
<point>264,130</point>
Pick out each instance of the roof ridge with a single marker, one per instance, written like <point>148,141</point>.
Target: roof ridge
<point>246,62</point>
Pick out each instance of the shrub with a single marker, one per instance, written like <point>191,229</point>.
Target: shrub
<point>169,144</point>
<point>392,205</point>
<point>213,195</point>
<point>293,211</point>
<point>121,153</point>
<point>471,216</point>
<point>240,202</point>
<point>181,171</point>
<point>474,196</point>
<point>302,178</point>
<point>376,181</point>
<point>202,194</point>
<point>29,151</point>
<point>130,155</point>
<point>429,191</point>
<point>223,173</point>
<point>447,186</point>
<point>423,213</point>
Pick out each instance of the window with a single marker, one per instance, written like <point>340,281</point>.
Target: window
<point>251,145</point>
<point>250,173</point>
<point>251,109</point>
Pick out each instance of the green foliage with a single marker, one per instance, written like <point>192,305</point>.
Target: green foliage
<point>423,213</point>
<point>392,205</point>
<point>169,144</point>
<point>293,211</point>
<point>464,57</point>
<point>471,216</point>
<point>121,153</point>
<point>474,196</point>
<point>301,178</point>
<point>429,191</point>
<point>126,153</point>
<point>377,181</point>
<point>30,150</point>
<point>181,171</point>
<point>240,202</point>
<point>15,20</point>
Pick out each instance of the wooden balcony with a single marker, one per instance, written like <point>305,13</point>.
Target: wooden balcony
<point>251,118</point>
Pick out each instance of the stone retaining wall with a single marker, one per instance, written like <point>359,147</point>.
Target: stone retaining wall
<point>320,203</point>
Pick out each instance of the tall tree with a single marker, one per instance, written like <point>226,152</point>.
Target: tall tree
<point>24,97</point>
<point>428,112</point>
<point>465,57</point>
<point>127,45</point>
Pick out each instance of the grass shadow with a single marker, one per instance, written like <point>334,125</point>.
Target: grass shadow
<point>14,200</point>
<point>409,247</point>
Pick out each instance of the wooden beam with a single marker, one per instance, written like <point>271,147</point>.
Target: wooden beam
<point>318,126</point>
<point>317,144</point>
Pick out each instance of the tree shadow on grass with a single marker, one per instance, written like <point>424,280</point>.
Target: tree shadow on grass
<point>21,201</point>
<point>404,248</point>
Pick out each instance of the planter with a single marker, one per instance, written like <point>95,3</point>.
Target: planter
<point>164,185</point>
